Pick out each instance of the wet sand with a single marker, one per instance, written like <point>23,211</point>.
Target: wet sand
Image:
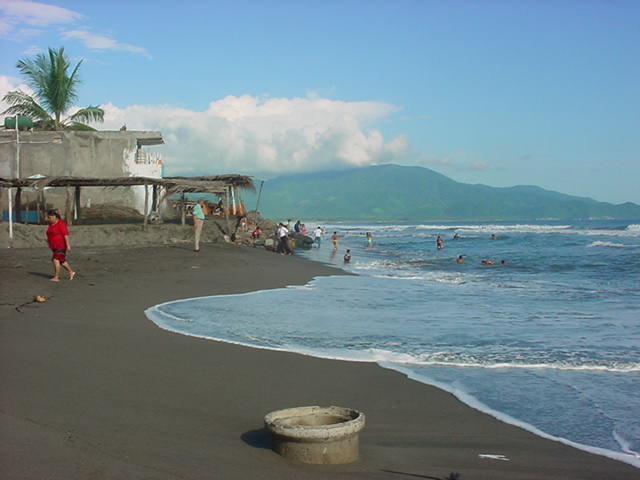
<point>91,389</point>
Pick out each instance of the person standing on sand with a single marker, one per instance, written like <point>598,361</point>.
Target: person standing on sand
<point>198,222</point>
<point>58,239</point>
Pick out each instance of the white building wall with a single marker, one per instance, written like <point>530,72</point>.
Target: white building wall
<point>141,163</point>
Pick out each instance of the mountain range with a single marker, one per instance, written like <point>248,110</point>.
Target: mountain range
<point>387,192</point>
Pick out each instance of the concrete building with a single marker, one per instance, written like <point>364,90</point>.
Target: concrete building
<point>97,154</point>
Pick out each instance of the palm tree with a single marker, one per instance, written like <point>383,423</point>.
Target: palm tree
<point>54,91</point>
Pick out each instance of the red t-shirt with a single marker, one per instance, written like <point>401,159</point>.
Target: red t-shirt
<point>56,233</point>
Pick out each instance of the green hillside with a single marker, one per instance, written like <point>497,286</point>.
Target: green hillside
<point>416,193</point>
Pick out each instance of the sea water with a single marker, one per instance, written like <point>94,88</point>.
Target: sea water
<point>550,340</point>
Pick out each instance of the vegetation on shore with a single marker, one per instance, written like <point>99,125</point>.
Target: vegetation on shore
<point>393,192</point>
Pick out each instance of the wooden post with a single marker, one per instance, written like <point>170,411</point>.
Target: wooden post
<point>233,200</point>
<point>67,208</point>
<point>154,201</point>
<point>38,206</point>
<point>146,206</point>
<point>162,193</point>
<point>259,193</point>
<point>184,209</point>
<point>18,204</point>
<point>41,205</point>
<point>77,205</point>
<point>226,209</point>
<point>10,200</point>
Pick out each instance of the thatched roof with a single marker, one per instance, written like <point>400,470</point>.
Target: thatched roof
<point>212,184</point>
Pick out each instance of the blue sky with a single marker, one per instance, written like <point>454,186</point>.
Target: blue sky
<point>503,93</point>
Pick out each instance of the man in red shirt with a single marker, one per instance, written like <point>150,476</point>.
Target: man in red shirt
<point>58,239</point>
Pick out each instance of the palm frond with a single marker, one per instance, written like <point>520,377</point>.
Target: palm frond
<point>23,104</point>
<point>48,75</point>
<point>88,114</point>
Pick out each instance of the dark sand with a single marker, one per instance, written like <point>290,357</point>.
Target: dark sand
<point>91,389</point>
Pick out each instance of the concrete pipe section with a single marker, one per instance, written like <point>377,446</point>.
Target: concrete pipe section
<point>327,435</point>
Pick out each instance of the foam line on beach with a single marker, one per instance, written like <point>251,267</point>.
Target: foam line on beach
<point>387,360</point>
<point>632,458</point>
<point>632,230</point>
<point>159,317</point>
<point>612,244</point>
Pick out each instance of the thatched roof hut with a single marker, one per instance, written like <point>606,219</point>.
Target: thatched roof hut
<point>216,184</point>
<point>224,186</point>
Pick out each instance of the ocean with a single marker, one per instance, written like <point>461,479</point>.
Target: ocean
<point>549,340</point>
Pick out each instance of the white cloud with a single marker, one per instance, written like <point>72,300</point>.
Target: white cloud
<point>250,135</point>
<point>8,84</point>
<point>102,42</point>
<point>277,135</point>
<point>478,165</point>
<point>32,50</point>
<point>451,163</point>
<point>23,19</point>
<point>36,13</point>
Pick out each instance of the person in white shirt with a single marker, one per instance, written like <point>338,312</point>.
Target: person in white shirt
<point>283,234</point>
<point>317,236</point>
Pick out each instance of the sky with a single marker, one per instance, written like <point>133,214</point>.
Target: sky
<point>498,92</point>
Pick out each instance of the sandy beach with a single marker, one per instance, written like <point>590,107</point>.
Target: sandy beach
<point>91,389</point>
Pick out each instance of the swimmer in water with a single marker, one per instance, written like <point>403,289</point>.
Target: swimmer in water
<point>487,262</point>
<point>439,243</point>
<point>493,236</point>
<point>460,259</point>
<point>347,256</point>
<point>503,262</point>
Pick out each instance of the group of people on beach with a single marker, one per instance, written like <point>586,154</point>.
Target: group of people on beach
<point>285,246</point>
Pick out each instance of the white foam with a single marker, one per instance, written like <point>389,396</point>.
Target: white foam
<point>493,456</point>
<point>470,400</point>
<point>632,230</point>
<point>611,244</point>
<point>439,277</point>
<point>625,446</point>
<point>440,359</point>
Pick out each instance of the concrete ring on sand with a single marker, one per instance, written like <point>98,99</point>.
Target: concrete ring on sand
<point>326,435</point>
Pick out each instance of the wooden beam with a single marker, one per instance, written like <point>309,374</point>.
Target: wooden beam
<point>10,200</point>
<point>226,211</point>
<point>18,205</point>
<point>183,208</point>
<point>67,208</point>
<point>77,203</point>
<point>154,201</point>
<point>42,205</point>
<point>146,207</point>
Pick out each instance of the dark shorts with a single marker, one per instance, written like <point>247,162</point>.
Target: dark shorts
<point>59,254</point>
